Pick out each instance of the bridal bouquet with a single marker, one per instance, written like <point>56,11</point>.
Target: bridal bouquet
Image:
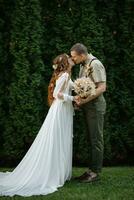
<point>84,87</point>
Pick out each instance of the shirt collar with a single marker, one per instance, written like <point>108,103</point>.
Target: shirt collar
<point>89,58</point>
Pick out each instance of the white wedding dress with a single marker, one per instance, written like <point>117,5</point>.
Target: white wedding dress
<point>48,163</point>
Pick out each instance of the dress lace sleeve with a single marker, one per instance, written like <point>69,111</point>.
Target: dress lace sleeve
<point>71,84</point>
<point>60,87</point>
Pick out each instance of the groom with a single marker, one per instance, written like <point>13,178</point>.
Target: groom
<point>94,109</point>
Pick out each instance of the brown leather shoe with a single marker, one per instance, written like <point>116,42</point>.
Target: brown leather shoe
<point>90,178</point>
<point>83,176</point>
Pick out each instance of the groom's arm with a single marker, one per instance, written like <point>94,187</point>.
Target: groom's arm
<point>68,97</point>
<point>99,77</point>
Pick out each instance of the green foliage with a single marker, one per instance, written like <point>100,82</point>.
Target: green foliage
<point>116,184</point>
<point>26,78</point>
<point>32,33</point>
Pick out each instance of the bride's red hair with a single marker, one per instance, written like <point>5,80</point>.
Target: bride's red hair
<point>60,64</point>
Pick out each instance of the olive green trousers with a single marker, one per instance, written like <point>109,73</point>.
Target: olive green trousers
<point>94,117</point>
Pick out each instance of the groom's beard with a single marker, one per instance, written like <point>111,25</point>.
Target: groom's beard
<point>83,63</point>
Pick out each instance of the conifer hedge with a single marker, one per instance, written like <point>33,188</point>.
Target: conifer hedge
<point>32,33</point>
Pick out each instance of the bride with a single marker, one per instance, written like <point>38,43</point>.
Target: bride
<point>48,163</point>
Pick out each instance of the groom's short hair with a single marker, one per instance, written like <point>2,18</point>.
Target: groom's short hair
<point>79,49</point>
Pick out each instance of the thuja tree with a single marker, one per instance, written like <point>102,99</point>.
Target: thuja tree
<point>123,131</point>
<point>2,61</point>
<point>59,30</point>
<point>117,22</point>
<point>40,32</point>
<point>6,9</point>
<point>25,101</point>
<point>58,35</point>
<point>107,16</point>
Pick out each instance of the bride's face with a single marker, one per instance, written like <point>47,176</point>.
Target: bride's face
<point>71,63</point>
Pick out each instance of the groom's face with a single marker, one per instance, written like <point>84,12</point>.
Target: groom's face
<point>77,58</point>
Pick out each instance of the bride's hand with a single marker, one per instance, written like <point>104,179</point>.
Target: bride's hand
<point>77,99</point>
<point>60,96</point>
<point>82,101</point>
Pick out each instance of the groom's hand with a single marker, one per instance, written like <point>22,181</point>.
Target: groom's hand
<point>77,99</point>
<point>76,107</point>
<point>82,101</point>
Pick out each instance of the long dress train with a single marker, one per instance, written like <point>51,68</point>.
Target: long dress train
<point>48,163</point>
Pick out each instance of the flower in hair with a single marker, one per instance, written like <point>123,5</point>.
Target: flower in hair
<point>55,66</point>
<point>60,58</point>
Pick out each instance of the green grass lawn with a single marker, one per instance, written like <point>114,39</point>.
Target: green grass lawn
<point>117,183</point>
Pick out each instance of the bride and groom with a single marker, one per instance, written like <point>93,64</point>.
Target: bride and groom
<point>48,162</point>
